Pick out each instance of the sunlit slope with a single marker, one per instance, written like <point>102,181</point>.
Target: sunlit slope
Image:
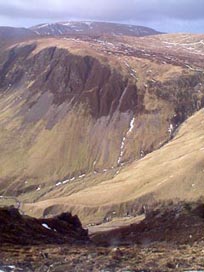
<point>74,111</point>
<point>175,171</point>
<point>53,123</point>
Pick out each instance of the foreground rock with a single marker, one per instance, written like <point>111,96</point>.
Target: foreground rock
<point>169,239</point>
<point>24,230</point>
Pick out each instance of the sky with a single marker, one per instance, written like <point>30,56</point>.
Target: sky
<point>163,15</point>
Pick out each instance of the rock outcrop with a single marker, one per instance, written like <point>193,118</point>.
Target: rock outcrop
<point>19,229</point>
<point>68,78</point>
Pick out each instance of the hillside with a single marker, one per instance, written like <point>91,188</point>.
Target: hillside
<point>77,115</point>
<point>174,172</point>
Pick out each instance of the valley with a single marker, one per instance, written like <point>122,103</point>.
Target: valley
<point>105,122</point>
<point>60,150</point>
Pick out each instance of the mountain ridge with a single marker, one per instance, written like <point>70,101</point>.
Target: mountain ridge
<point>92,28</point>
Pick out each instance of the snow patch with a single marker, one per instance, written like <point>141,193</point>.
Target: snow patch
<point>66,24</point>
<point>131,125</point>
<point>60,32</point>
<point>68,180</point>
<point>65,181</point>
<point>122,146</point>
<point>118,171</point>
<point>170,129</point>
<point>46,226</point>
<point>41,26</point>
<point>88,23</point>
<point>38,33</point>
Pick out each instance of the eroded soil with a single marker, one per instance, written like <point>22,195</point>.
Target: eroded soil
<point>154,257</point>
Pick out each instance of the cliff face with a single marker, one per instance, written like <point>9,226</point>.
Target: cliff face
<point>62,100</point>
<point>71,109</point>
<point>69,78</point>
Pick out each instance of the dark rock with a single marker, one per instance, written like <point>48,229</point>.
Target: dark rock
<point>18,229</point>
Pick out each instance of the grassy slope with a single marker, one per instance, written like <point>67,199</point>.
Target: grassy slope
<point>174,171</point>
<point>33,155</point>
<point>36,155</point>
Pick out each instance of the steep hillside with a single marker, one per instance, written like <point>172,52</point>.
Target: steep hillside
<point>91,28</point>
<point>59,102</point>
<point>174,172</point>
<point>74,112</point>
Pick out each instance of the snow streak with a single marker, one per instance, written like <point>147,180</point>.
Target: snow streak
<point>122,147</point>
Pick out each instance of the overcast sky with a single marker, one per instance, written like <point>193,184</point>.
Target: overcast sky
<point>164,15</point>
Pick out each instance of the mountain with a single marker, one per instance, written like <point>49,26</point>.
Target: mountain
<point>108,126</point>
<point>12,35</point>
<point>91,28</point>
<point>93,125</point>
